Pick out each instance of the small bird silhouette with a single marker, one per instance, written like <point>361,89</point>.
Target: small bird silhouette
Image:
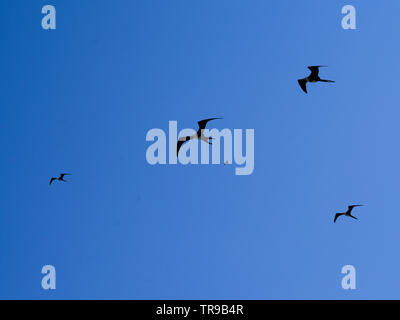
<point>313,77</point>
<point>348,212</point>
<point>198,135</point>
<point>60,178</point>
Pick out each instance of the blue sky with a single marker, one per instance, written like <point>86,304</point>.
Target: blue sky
<point>81,99</point>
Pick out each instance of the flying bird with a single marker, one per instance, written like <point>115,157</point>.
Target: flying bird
<point>60,178</point>
<point>348,212</point>
<point>198,135</point>
<point>313,77</point>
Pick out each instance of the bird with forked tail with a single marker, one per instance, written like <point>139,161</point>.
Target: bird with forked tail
<point>60,178</point>
<point>313,77</point>
<point>198,135</point>
<point>348,212</point>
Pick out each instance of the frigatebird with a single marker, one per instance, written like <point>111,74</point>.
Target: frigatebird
<point>60,178</point>
<point>313,77</point>
<point>198,135</point>
<point>348,212</point>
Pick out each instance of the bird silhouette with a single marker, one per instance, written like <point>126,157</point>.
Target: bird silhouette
<point>198,135</point>
<point>348,212</point>
<point>313,77</point>
<point>60,178</point>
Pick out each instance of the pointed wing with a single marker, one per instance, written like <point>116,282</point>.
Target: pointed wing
<point>353,206</point>
<point>202,124</point>
<point>337,215</point>
<point>323,80</point>
<point>314,70</point>
<point>302,83</point>
<point>52,179</point>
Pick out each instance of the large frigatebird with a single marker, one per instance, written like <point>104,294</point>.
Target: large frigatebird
<point>348,212</point>
<point>60,178</point>
<point>313,77</point>
<point>198,135</point>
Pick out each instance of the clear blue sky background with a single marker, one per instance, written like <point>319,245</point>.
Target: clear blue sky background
<point>81,99</point>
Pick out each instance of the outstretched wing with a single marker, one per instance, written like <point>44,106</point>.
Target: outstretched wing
<point>353,206</point>
<point>337,215</point>
<point>202,124</point>
<point>52,179</point>
<point>302,83</point>
<point>181,141</point>
<point>314,70</point>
